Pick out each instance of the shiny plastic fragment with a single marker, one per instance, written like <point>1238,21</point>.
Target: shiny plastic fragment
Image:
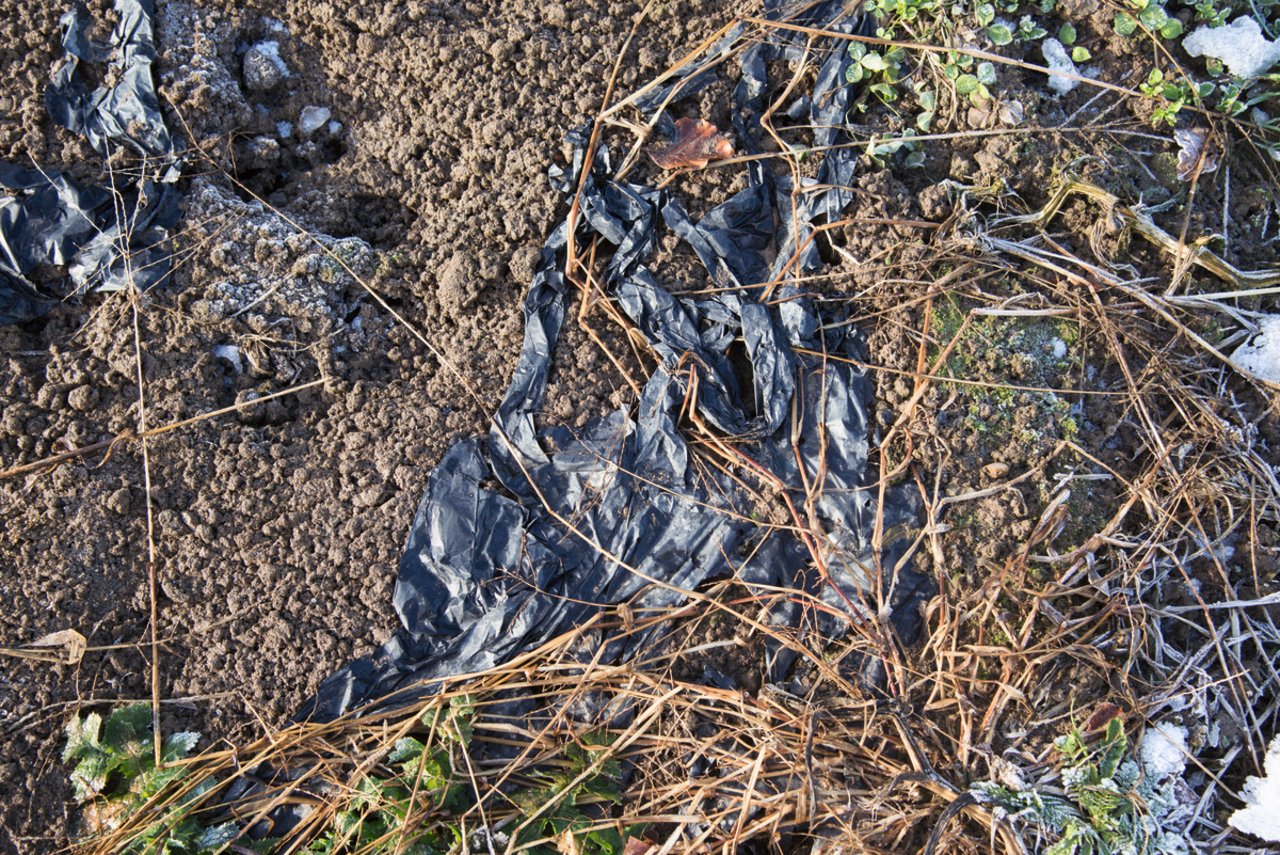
<point>103,237</point>
<point>527,532</point>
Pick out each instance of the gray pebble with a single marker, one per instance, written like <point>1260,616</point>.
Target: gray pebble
<point>264,70</point>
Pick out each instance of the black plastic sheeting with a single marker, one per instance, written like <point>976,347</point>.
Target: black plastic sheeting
<point>527,532</point>
<point>108,236</point>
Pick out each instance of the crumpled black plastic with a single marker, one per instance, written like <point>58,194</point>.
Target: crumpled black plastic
<point>107,236</point>
<point>525,533</point>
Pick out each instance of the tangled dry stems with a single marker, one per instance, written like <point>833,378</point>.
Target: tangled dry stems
<point>1166,606</point>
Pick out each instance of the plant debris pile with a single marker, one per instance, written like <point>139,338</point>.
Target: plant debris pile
<point>525,533</point>
<point>106,236</point>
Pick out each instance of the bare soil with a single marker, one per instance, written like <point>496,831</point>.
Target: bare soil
<point>278,528</point>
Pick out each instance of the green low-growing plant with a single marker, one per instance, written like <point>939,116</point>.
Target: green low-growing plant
<point>116,775</point>
<point>879,70</point>
<point>1150,14</point>
<point>890,74</point>
<point>1105,804</point>
<point>412,803</point>
<point>584,778</point>
<point>1209,12</point>
<point>379,815</point>
<point>1172,95</point>
<point>1098,813</point>
<point>1067,35</point>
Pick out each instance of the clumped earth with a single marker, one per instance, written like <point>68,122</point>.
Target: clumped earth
<point>411,142</point>
<point>278,528</point>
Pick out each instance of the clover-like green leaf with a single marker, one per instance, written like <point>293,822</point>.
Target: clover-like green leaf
<point>999,34</point>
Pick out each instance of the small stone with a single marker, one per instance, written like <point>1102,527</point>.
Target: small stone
<point>264,70</point>
<point>249,414</point>
<point>995,470</point>
<point>311,119</point>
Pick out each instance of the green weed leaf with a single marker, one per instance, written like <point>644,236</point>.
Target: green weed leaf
<point>126,725</point>
<point>178,745</point>
<point>1154,17</point>
<point>874,62</point>
<point>82,736</point>
<point>407,748</point>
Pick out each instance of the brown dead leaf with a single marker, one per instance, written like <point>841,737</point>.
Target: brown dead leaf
<point>697,142</point>
<point>65,647</point>
<point>1102,716</point>
<point>637,846</point>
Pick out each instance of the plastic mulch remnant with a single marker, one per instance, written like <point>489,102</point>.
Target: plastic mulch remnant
<point>525,533</point>
<point>107,236</point>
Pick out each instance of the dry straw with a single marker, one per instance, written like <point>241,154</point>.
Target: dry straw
<point>1165,605</point>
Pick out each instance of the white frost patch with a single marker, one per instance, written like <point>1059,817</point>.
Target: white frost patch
<point>1261,814</point>
<point>271,50</point>
<point>1164,751</point>
<point>1059,348</point>
<point>284,130</point>
<point>1055,57</point>
<point>335,127</point>
<point>311,119</point>
<point>231,354</point>
<point>1240,45</point>
<point>1261,356</point>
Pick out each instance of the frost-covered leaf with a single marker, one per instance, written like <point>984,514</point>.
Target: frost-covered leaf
<point>178,745</point>
<point>874,62</point>
<point>1154,16</point>
<point>407,748</point>
<point>82,735</point>
<point>128,724</point>
<point>218,835</point>
<point>89,778</point>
